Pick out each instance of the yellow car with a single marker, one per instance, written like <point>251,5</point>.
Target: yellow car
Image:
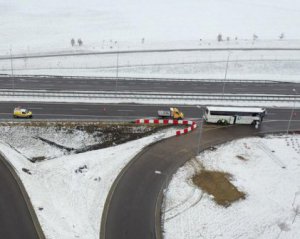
<point>22,113</point>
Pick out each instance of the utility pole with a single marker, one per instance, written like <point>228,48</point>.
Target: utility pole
<point>12,71</point>
<point>200,129</point>
<point>117,72</point>
<point>292,113</point>
<point>225,76</point>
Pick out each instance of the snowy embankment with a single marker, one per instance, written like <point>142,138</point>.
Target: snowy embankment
<point>68,193</point>
<point>266,169</point>
<point>242,65</point>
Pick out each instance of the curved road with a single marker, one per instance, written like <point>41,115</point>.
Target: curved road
<point>133,203</point>
<point>15,219</point>
<point>133,206</point>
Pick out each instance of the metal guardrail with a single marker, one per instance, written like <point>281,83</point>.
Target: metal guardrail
<point>145,78</point>
<point>146,95</point>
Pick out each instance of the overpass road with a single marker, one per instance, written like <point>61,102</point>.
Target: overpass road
<point>187,86</point>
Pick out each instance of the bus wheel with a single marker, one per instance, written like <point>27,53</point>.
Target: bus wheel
<point>254,122</point>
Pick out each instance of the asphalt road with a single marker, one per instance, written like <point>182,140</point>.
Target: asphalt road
<point>15,219</point>
<point>76,111</point>
<point>133,208</point>
<point>58,83</point>
<point>133,204</point>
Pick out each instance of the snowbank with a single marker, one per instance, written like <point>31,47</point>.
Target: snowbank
<point>269,175</point>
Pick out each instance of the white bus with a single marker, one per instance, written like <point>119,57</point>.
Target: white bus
<point>234,115</point>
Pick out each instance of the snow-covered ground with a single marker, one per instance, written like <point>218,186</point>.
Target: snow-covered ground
<point>69,201</point>
<point>257,65</point>
<point>56,140</point>
<point>15,136</point>
<point>39,27</point>
<point>269,175</point>
<point>69,192</point>
<point>40,24</point>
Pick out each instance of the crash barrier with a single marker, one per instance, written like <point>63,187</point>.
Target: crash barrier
<point>113,78</point>
<point>192,124</point>
<point>126,96</point>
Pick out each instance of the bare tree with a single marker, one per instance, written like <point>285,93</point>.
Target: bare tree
<point>281,36</point>
<point>72,42</point>
<point>80,42</point>
<point>219,37</point>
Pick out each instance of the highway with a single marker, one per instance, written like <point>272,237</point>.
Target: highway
<point>188,86</point>
<point>119,112</point>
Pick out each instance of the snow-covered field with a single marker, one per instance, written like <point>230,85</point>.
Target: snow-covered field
<point>40,24</point>
<point>69,192</point>
<point>37,26</point>
<point>257,65</point>
<point>269,175</point>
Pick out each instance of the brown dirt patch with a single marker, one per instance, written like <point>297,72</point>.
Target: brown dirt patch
<point>217,184</point>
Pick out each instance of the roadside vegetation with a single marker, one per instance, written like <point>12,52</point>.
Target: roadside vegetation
<point>38,141</point>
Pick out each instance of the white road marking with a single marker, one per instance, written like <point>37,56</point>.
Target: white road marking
<point>47,85</point>
<point>79,109</point>
<point>157,172</point>
<point>8,84</point>
<point>278,89</point>
<point>24,80</point>
<point>36,108</point>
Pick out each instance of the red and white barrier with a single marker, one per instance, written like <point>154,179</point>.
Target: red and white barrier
<point>186,130</point>
<point>192,124</point>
